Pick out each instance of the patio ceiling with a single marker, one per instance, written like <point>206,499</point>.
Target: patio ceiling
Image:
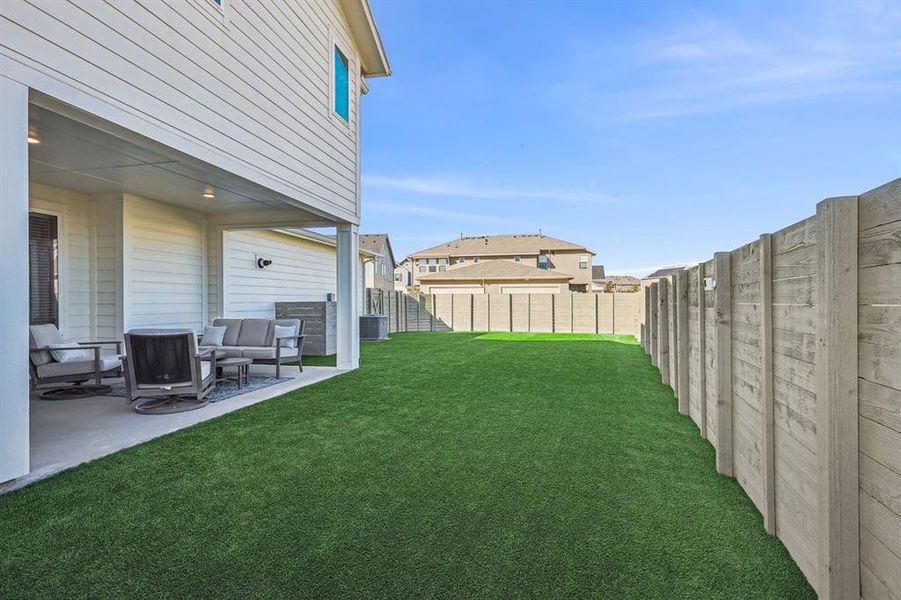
<point>78,156</point>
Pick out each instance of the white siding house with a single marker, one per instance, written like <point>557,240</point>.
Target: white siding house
<point>160,137</point>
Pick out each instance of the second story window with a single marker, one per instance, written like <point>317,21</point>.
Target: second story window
<point>475,259</point>
<point>517,259</point>
<point>543,261</point>
<point>583,261</point>
<point>461,260</point>
<point>342,86</point>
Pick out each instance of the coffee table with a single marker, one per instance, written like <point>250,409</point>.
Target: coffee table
<point>242,365</point>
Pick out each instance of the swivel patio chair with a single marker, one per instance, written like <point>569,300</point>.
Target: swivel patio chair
<point>165,373</point>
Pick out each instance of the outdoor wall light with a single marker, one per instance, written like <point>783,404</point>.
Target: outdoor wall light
<point>208,193</point>
<point>33,136</point>
<point>262,262</point>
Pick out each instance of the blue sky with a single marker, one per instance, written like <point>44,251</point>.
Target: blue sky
<point>653,133</point>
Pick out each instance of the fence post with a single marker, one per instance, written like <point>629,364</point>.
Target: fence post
<point>766,383</point>
<point>663,330</point>
<point>597,316</point>
<point>702,349</point>
<point>682,339</point>
<point>723,339</point>
<point>837,410</point>
<point>553,312</point>
<point>653,320</point>
<point>613,313</point>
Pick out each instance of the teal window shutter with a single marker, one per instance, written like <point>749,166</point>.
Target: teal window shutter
<point>342,86</point>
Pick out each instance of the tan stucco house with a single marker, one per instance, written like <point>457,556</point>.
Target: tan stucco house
<point>530,262</point>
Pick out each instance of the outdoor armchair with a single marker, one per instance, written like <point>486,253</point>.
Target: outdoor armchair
<point>165,370</point>
<point>44,340</point>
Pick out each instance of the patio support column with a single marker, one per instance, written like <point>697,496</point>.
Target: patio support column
<point>14,418</point>
<point>348,292</point>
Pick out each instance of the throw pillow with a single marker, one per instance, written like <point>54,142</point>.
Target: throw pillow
<point>213,336</point>
<point>289,333</point>
<point>64,356</point>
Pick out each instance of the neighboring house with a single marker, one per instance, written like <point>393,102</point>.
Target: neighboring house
<point>512,262</point>
<point>142,141</point>
<point>597,273</point>
<point>380,270</point>
<point>665,272</point>
<point>617,283</point>
<point>403,275</point>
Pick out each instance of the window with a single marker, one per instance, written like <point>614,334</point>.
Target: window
<point>461,260</point>
<point>422,268</point>
<point>442,268</point>
<point>583,261</point>
<point>433,269</point>
<point>43,268</point>
<point>342,86</point>
<point>398,277</point>
<point>475,259</point>
<point>543,261</point>
<point>442,261</point>
<point>517,259</point>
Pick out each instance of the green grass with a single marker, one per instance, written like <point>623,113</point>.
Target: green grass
<point>448,465</point>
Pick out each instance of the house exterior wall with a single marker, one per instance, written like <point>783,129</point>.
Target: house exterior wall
<point>301,271</point>
<point>74,214</point>
<point>244,87</point>
<point>381,272</point>
<point>163,251</point>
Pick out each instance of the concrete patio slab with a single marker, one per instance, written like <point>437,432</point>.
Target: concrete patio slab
<point>66,433</point>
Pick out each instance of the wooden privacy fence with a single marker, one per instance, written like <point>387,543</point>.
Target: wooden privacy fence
<point>569,312</point>
<point>786,353</point>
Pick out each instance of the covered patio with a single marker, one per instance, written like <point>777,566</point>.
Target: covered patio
<point>134,235</point>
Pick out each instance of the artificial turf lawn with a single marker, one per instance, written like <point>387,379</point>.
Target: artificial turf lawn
<point>445,466</point>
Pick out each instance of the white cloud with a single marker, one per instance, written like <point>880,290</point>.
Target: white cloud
<point>438,213</point>
<point>706,65</point>
<point>446,186</point>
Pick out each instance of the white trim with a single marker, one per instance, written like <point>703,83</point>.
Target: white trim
<point>352,87</point>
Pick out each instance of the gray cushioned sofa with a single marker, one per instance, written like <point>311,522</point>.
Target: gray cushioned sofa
<point>255,339</point>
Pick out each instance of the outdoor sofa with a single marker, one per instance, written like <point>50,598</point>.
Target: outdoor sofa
<point>265,341</point>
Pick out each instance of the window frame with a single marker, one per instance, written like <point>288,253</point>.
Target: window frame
<point>62,260</point>
<point>335,43</point>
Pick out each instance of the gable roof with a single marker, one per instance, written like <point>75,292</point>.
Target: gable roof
<point>665,272</point>
<point>377,243</point>
<point>495,269</point>
<point>500,245</point>
<point>366,35</point>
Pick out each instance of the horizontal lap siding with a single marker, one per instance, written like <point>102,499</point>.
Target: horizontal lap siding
<point>255,89</point>
<point>301,271</point>
<point>74,211</point>
<point>879,390</point>
<point>747,414</point>
<point>163,266</point>
<point>794,384</point>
